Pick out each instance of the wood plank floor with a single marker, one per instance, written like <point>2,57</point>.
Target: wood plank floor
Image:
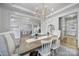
<point>70,42</point>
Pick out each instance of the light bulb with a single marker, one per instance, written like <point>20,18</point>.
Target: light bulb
<point>52,9</point>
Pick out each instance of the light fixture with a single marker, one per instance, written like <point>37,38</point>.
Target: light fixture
<point>42,11</point>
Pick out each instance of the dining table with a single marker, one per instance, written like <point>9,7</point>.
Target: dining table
<point>30,44</point>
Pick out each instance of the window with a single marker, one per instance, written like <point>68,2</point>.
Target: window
<point>14,28</point>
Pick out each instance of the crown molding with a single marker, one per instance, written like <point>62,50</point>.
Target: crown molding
<point>24,15</point>
<point>62,9</point>
<point>18,13</point>
<point>22,8</point>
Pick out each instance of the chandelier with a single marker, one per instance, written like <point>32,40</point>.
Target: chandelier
<point>43,11</point>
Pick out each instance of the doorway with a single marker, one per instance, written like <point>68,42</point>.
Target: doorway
<point>68,27</point>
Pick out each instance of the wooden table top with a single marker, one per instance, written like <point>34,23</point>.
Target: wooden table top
<point>29,44</point>
<point>39,38</point>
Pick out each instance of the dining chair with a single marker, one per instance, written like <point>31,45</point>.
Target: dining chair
<point>55,42</point>
<point>45,50</point>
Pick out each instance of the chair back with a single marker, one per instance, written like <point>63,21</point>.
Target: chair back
<point>55,39</point>
<point>45,47</point>
<point>56,33</point>
<point>9,42</point>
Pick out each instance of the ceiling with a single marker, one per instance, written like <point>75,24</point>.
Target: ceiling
<point>33,6</point>
<point>29,8</point>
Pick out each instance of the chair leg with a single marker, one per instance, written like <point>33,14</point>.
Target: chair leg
<point>51,52</point>
<point>55,53</point>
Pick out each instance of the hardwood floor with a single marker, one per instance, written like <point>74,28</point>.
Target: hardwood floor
<point>69,42</point>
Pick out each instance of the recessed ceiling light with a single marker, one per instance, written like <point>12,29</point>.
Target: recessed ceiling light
<point>52,9</point>
<point>36,8</point>
<point>12,19</point>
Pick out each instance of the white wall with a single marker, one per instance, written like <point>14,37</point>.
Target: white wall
<point>5,16</point>
<point>24,23</point>
<point>55,18</point>
<point>5,20</point>
<point>53,21</point>
<point>0,19</point>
